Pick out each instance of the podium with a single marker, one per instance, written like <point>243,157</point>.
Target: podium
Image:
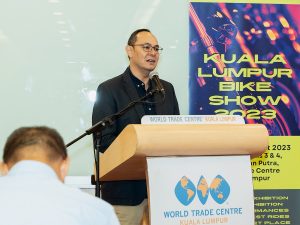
<point>129,158</point>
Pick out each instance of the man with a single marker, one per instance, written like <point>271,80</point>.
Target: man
<point>36,162</point>
<point>130,197</point>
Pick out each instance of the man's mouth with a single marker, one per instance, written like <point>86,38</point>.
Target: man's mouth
<point>151,60</point>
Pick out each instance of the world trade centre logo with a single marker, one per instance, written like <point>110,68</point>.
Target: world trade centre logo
<point>186,191</point>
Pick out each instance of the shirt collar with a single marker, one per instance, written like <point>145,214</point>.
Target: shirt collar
<point>32,168</point>
<point>138,83</point>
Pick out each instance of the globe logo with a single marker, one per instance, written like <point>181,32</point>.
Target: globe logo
<point>186,191</point>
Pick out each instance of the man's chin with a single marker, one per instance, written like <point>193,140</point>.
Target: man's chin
<point>151,68</point>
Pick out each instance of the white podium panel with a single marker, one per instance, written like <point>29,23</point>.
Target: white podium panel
<point>200,190</point>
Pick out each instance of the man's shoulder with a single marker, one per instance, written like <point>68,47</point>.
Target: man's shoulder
<point>112,81</point>
<point>68,200</point>
<point>117,80</point>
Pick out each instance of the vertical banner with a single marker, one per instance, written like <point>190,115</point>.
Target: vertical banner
<point>244,59</point>
<point>200,190</point>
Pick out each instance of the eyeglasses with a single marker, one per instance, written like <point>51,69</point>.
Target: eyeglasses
<point>148,48</point>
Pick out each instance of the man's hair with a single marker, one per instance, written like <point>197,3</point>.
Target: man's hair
<point>132,38</point>
<point>46,139</point>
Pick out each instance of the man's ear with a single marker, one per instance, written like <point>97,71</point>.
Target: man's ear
<point>3,169</point>
<point>64,168</point>
<point>129,50</point>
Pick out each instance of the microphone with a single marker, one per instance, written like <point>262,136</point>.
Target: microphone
<point>154,76</point>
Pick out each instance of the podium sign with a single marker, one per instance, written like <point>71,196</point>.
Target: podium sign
<point>200,190</point>
<point>192,119</point>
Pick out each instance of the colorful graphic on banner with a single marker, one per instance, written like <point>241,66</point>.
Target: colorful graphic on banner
<point>245,60</point>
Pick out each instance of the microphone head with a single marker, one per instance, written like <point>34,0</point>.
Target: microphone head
<point>154,76</point>
<point>153,73</point>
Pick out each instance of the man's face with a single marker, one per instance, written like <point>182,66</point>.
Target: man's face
<point>143,56</point>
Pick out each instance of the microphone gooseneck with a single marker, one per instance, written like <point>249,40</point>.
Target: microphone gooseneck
<point>154,76</point>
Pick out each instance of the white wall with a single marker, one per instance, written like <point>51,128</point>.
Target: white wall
<point>53,55</point>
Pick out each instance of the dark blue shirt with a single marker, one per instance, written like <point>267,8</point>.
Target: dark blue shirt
<point>149,108</point>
